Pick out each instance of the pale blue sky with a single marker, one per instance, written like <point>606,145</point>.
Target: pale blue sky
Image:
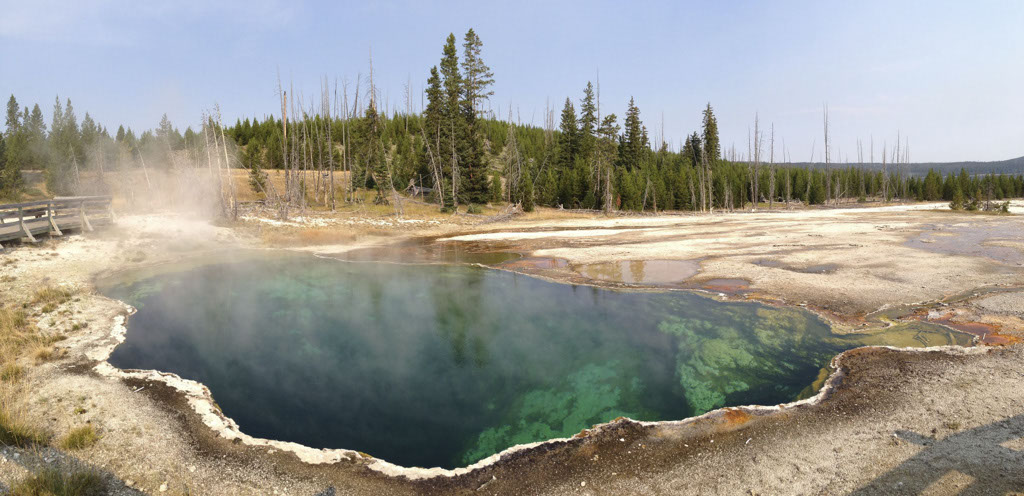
<point>949,75</point>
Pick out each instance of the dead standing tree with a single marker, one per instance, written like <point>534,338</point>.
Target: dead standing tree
<point>771,171</point>
<point>435,164</point>
<point>284,152</point>
<point>828,167</point>
<point>227,166</point>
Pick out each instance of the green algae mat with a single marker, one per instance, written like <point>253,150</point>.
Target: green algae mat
<point>443,365</point>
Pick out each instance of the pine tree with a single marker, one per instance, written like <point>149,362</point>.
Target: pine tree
<point>13,117</point>
<point>568,140</point>
<point>90,131</point>
<point>16,155</point>
<point>451,123</point>
<point>710,152</point>
<point>376,161</point>
<point>496,189</point>
<point>633,139</point>
<point>478,77</point>
<point>605,156</point>
<point>958,202</point>
<point>3,161</point>
<point>15,151</point>
<point>273,157</point>
<point>527,198</point>
<point>473,167</point>
<point>588,123</point>
<point>433,116</point>
<point>434,113</point>
<point>35,122</point>
<point>253,160</point>
<point>64,141</point>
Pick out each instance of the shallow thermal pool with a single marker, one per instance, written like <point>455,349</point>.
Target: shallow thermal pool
<point>442,365</point>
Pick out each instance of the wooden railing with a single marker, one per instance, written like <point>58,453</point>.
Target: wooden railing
<point>53,217</point>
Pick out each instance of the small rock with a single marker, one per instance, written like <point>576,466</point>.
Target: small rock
<point>129,482</point>
<point>163,487</point>
<point>583,484</point>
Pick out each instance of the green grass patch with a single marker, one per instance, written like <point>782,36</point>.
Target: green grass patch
<point>80,438</point>
<point>54,482</point>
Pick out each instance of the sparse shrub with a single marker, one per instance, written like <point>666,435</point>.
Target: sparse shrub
<point>54,482</point>
<point>80,438</point>
<point>49,307</point>
<point>474,209</point>
<point>1005,207</point>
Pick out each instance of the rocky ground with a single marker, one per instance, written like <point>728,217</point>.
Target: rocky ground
<point>899,422</point>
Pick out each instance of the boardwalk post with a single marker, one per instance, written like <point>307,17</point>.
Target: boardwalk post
<point>24,228</point>
<point>85,220</point>
<point>53,222</point>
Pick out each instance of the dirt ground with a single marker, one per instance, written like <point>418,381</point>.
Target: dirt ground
<point>942,421</point>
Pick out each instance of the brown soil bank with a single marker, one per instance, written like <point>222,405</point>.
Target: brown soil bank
<point>889,422</point>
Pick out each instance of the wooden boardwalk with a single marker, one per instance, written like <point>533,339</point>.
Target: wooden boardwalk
<point>30,220</point>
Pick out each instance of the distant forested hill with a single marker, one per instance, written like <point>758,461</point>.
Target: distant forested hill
<point>1012,166</point>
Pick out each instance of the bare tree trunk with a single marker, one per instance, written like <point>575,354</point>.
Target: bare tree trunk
<point>771,171</point>
<point>828,170</point>
<point>145,172</point>
<point>885,176</point>
<point>214,176</point>
<point>227,166</point>
<point>435,166</point>
<point>284,152</point>
<point>750,171</point>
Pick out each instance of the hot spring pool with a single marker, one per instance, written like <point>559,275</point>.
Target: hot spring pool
<point>442,365</point>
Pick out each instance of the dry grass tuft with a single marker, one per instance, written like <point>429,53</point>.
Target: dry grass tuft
<point>80,438</point>
<point>53,295</point>
<point>12,321</point>
<point>11,372</point>
<point>54,482</point>
<point>43,352</point>
<point>307,236</point>
<point>14,431</point>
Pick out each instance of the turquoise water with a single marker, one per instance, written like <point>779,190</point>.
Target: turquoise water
<point>441,365</point>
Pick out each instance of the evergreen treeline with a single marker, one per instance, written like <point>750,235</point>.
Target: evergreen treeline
<point>65,148</point>
<point>454,153</point>
<point>460,155</point>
